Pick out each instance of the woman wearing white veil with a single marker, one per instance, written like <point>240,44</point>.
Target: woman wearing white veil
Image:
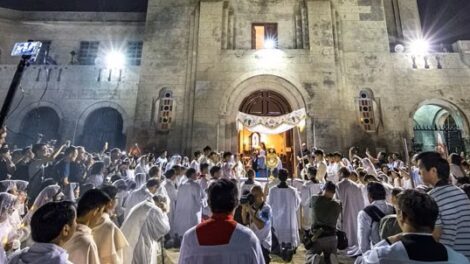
<point>142,166</point>
<point>121,197</point>
<point>49,194</point>
<point>369,166</point>
<point>347,164</point>
<point>18,189</point>
<point>22,195</point>
<point>140,180</point>
<point>175,160</point>
<point>7,229</point>
<point>7,185</point>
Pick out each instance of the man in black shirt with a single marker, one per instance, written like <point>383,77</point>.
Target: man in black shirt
<point>7,167</point>
<point>325,212</point>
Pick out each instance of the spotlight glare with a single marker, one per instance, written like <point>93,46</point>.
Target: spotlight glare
<point>115,59</point>
<point>269,44</point>
<point>419,47</point>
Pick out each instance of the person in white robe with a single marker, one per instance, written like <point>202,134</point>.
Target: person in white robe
<point>56,223</point>
<point>221,239</point>
<point>121,198</point>
<point>161,161</point>
<point>49,194</point>
<point>7,229</point>
<point>228,166</point>
<point>189,203</point>
<point>172,193</point>
<point>147,223</point>
<point>82,247</point>
<point>7,185</point>
<point>142,166</point>
<point>332,170</point>
<point>108,237</point>
<point>140,180</point>
<point>416,244</point>
<point>180,175</point>
<point>361,174</point>
<point>239,168</point>
<point>204,176</point>
<point>3,255</point>
<point>195,162</point>
<point>322,168</point>
<point>143,193</point>
<point>204,183</point>
<point>175,160</point>
<point>272,181</point>
<point>285,201</point>
<point>205,155</point>
<point>352,202</point>
<point>185,162</point>
<point>369,166</point>
<point>309,189</point>
<point>298,184</point>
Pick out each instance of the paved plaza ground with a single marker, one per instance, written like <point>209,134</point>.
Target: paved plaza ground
<point>299,258</point>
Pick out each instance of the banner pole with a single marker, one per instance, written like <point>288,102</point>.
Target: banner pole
<point>301,154</point>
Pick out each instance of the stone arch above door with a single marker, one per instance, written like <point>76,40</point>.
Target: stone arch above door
<point>265,103</point>
<point>294,95</point>
<point>453,110</point>
<point>241,89</point>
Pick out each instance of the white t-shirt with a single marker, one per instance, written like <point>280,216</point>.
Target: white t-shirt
<point>264,235</point>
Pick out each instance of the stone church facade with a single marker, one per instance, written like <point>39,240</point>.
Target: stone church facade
<point>195,64</point>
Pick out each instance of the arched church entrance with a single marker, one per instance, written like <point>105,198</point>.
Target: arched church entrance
<point>439,124</point>
<point>266,103</point>
<point>39,125</point>
<point>101,126</point>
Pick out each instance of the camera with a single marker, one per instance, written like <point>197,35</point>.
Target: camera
<point>247,199</point>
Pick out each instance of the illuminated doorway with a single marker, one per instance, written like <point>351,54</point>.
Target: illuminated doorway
<point>267,103</point>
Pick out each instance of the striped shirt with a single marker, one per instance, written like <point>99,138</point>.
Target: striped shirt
<point>454,217</point>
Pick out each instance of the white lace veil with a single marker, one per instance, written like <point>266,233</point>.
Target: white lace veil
<point>7,203</point>
<point>140,180</point>
<point>45,196</point>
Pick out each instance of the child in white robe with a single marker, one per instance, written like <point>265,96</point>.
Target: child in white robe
<point>108,237</point>
<point>82,247</point>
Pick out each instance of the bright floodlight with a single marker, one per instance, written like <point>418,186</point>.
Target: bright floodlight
<point>419,47</point>
<point>115,59</point>
<point>269,44</point>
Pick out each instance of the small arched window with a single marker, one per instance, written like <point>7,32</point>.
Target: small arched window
<point>255,139</point>
<point>366,110</point>
<point>166,107</point>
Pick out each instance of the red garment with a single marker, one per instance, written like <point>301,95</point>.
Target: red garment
<point>216,231</point>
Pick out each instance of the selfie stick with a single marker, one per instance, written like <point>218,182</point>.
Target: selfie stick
<point>13,87</point>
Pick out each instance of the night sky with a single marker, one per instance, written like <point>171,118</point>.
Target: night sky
<point>445,21</point>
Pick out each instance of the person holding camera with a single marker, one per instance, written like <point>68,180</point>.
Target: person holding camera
<point>325,212</point>
<point>146,224</point>
<point>256,214</point>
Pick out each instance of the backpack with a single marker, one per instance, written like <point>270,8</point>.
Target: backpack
<point>374,213</point>
<point>389,226</point>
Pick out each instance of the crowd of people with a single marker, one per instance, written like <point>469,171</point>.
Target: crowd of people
<point>66,205</point>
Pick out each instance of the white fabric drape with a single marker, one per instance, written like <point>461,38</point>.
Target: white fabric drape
<point>271,124</point>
